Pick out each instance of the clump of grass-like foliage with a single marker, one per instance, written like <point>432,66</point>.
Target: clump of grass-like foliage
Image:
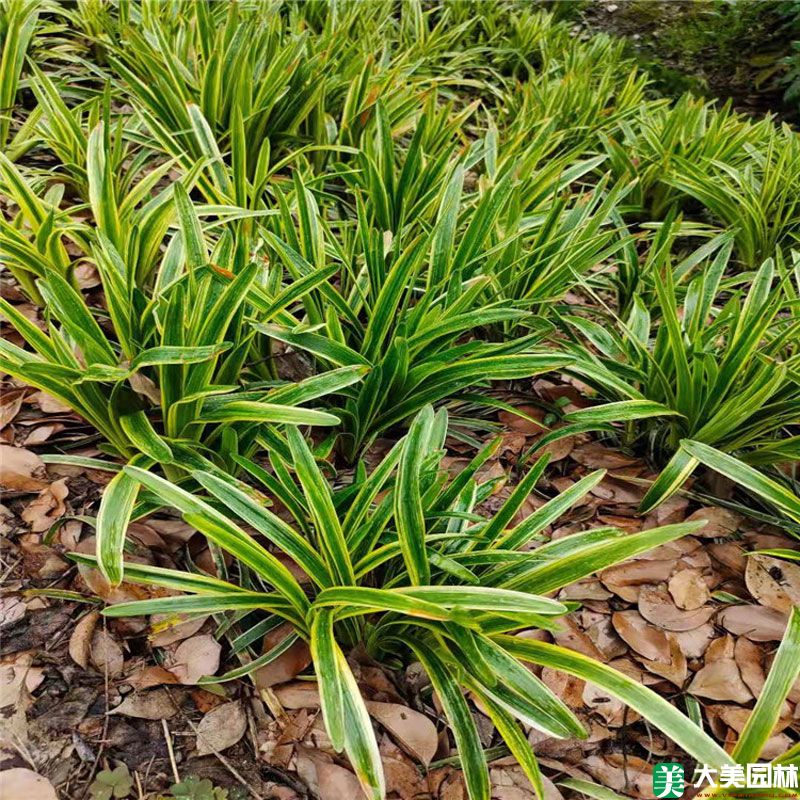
<point>357,218</point>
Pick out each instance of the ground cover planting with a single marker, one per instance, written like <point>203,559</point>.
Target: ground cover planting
<point>400,399</point>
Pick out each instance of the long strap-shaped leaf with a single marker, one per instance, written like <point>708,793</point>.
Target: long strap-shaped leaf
<point>251,666</point>
<point>522,491</point>
<point>234,410</point>
<point>359,738</point>
<point>516,741</point>
<point>650,705</point>
<point>328,349</point>
<point>486,598</point>
<point>207,604</point>
<point>408,498</point>
<point>113,517</point>
<point>525,696</point>
<point>672,477</point>
<point>745,476</point>
<point>318,496</point>
<point>468,744</point>
<point>195,582</point>
<point>264,521</point>
<point>74,315</point>
<point>621,411</point>
<point>226,534</point>
<point>325,654</point>
<point>783,673</point>
<point>549,512</point>
<point>144,436</point>
<point>363,599</point>
<point>554,574</point>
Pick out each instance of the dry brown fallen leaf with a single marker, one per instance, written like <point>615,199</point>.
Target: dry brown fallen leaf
<point>39,560</point>
<point>529,427</point>
<point>748,658</point>
<point>154,704</point>
<point>758,623</point>
<point>18,678</point>
<point>622,772</point>
<point>645,639</point>
<point>447,783</point>
<point>47,507</point>
<point>10,405</point>
<point>559,449</point>
<point>403,778</point>
<point>625,580</point>
<point>194,658</point>
<point>41,433</point>
<point>720,523</point>
<point>657,607</point>
<point>722,647</point>
<point>175,531</point>
<point>166,631</point>
<point>145,537</point>
<point>286,666</point>
<point>24,784</point>
<point>621,521</point>
<point>80,642</point>
<point>509,783</point>
<point>619,492</point>
<point>21,470</point>
<point>567,687</point>
<point>600,630</point>
<point>632,669</point>
<point>774,583</point>
<point>736,719</point>
<point>693,643</point>
<point>48,404</point>
<point>689,589</point>
<point>596,456</point>
<point>672,510</point>
<point>99,586</point>
<point>413,731</point>
<point>326,780</point>
<point>106,654</point>
<point>586,589</point>
<point>677,669</point>
<point>300,694</point>
<point>381,687</point>
<point>573,637</point>
<point>221,728</point>
<point>12,610</point>
<point>613,712</point>
<point>7,520</point>
<point>720,680</point>
<point>150,676</point>
<point>729,558</point>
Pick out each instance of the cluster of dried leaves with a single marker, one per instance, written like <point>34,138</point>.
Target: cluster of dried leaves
<point>697,620</point>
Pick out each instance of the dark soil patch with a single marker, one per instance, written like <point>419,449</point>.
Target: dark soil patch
<point>716,49</point>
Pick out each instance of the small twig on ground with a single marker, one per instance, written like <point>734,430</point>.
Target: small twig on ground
<point>224,761</point>
<point>11,567</point>
<point>168,739</point>
<point>139,789</point>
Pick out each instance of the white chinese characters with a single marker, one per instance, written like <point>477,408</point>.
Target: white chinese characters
<point>748,776</point>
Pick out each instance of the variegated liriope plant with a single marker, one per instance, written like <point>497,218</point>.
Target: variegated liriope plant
<point>408,314</point>
<point>400,562</point>
<point>705,369</point>
<point>162,372</point>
